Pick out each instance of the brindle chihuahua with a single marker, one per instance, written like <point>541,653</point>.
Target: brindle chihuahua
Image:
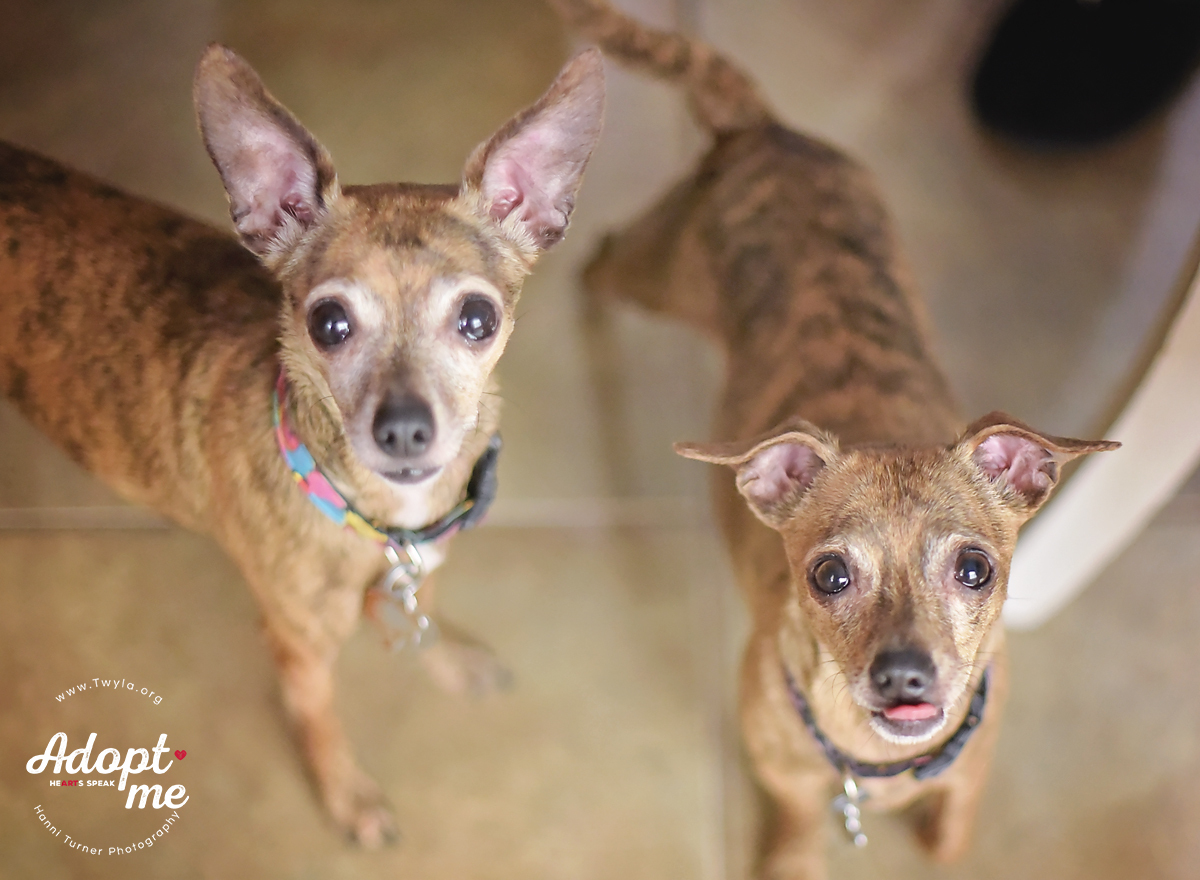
<point>875,647</point>
<point>149,346</point>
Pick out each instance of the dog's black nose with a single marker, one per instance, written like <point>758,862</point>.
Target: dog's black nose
<point>903,676</point>
<point>403,426</point>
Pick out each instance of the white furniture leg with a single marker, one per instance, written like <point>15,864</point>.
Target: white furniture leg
<point>1112,496</point>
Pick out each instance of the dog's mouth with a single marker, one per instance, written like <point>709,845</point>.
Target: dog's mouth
<point>909,722</point>
<point>409,475</point>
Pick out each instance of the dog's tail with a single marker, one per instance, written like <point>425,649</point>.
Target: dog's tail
<point>723,97</point>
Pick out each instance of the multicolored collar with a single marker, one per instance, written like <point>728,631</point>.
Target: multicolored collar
<point>480,492</point>
<point>923,766</point>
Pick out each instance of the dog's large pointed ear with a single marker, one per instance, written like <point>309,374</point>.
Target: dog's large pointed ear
<point>280,181</point>
<point>775,469</point>
<point>529,171</point>
<point>1023,464</point>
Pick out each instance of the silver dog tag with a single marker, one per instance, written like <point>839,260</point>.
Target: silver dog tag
<point>393,603</point>
<point>847,804</point>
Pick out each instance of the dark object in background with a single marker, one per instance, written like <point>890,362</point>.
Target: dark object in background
<point>1077,72</point>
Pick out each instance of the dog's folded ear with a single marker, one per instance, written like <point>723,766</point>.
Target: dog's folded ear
<point>529,171</point>
<point>775,469</point>
<point>1023,464</point>
<point>280,181</point>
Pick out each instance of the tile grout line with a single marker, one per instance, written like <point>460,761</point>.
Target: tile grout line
<point>526,513</point>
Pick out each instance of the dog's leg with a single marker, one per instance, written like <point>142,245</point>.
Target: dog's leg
<point>655,263</point>
<point>353,799</point>
<point>945,818</point>
<point>310,604</point>
<point>457,662</point>
<point>638,265</point>
<point>793,840</point>
<point>608,367</point>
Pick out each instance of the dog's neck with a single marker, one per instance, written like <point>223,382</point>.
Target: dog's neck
<point>380,499</point>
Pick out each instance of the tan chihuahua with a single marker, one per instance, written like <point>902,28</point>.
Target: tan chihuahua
<point>875,664</point>
<point>321,410</point>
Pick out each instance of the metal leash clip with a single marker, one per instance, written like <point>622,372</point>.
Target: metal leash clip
<point>393,603</point>
<point>848,805</point>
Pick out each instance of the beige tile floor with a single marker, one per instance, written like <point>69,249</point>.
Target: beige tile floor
<point>600,580</point>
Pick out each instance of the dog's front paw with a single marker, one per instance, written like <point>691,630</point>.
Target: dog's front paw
<point>463,667</point>
<point>361,811</point>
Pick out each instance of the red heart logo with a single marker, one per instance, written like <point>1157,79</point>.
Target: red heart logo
<point>180,754</point>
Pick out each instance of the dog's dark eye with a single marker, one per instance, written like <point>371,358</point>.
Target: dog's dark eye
<point>328,324</point>
<point>830,575</point>
<point>974,569</point>
<point>478,319</point>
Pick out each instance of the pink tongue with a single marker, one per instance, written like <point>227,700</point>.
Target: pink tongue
<point>919,712</point>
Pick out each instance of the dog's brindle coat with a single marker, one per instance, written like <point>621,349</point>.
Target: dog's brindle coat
<point>779,249</point>
<point>147,345</point>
